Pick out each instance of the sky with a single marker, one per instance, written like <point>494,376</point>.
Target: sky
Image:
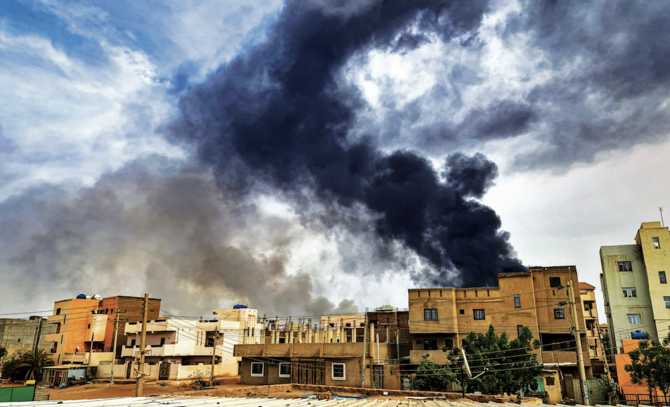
<point>569,100</point>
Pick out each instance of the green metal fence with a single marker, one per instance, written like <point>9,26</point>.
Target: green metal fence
<point>8,394</point>
<point>596,393</point>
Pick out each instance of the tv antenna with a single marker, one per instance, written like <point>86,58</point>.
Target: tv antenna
<point>660,209</point>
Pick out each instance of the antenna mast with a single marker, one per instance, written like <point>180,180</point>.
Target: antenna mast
<point>660,209</point>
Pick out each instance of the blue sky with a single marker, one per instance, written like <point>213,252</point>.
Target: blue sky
<point>86,83</point>
<point>88,86</point>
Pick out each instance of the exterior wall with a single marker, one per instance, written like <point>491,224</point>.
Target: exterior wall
<point>455,308</point>
<point>588,297</point>
<point>18,335</point>
<point>554,391</point>
<point>646,262</point>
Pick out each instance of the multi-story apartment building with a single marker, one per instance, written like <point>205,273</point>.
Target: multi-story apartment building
<point>24,335</point>
<point>182,347</point>
<point>588,297</point>
<point>330,353</point>
<point>84,327</point>
<point>635,285</point>
<point>443,317</point>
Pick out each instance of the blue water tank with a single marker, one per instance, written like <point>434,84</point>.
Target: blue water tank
<point>239,306</point>
<point>638,335</point>
<point>81,297</point>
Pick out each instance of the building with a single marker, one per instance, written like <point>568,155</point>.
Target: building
<point>331,353</point>
<point>182,348</point>
<point>22,335</point>
<point>593,331</point>
<point>443,317</point>
<point>84,327</point>
<point>635,285</point>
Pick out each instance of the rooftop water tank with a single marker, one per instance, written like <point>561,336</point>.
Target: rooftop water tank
<point>239,306</point>
<point>96,297</point>
<point>638,335</point>
<point>81,297</point>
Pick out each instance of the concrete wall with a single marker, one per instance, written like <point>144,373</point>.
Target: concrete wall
<point>656,260</point>
<point>18,335</point>
<point>554,391</point>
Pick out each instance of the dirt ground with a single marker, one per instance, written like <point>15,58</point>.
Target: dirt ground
<point>103,390</point>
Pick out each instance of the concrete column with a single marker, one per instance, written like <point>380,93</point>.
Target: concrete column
<point>372,333</point>
<point>353,331</point>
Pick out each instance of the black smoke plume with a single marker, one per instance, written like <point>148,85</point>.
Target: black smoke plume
<point>280,115</point>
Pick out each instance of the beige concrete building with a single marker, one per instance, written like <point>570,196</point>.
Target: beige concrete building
<point>24,335</point>
<point>634,280</point>
<point>588,298</point>
<point>180,348</point>
<point>444,316</point>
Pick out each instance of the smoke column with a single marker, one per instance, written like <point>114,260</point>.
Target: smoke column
<point>280,115</point>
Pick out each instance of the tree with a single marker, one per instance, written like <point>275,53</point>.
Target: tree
<point>511,367</point>
<point>3,352</point>
<point>606,342</point>
<point>34,363</point>
<point>431,376</point>
<point>650,362</point>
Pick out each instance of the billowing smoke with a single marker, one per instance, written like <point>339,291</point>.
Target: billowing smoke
<point>280,116</point>
<point>153,226</point>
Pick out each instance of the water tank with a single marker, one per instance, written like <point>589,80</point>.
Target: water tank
<point>638,335</point>
<point>81,297</point>
<point>96,297</point>
<point>239,306</point>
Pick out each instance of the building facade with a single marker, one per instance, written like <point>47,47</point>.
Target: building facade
<point>84,327</point>
<point>443,317</point>
<point>182,348</point>
<point>24,335</point>
<point>590,310</point>
<point>635,285</point>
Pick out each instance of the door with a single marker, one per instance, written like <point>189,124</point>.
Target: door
<point>164,371</point>
<point>129,370</point>
<point>311,372</point>
<point>378,376</point>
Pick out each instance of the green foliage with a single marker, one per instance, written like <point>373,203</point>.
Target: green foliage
<point>650,362</point>
<point>511,366</point>
<point>431,376</point>
<point>610,390</point>
<point>607,344</point>
<point>3,352</point>
<point>11,368</point>
<point>34,363</point>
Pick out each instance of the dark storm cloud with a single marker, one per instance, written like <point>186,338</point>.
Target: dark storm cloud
<point>153,226</point>
<point>279,115</point>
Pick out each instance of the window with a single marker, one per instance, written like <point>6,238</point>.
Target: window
<point>586,307</point>
<point>282,340</point>
<point>332,325</point>
<point>284,370</point>
<point>554,281</point>
<point>132,343</point>
<point>339,372</point>
<point>163,341</point>
<point>559,313</point>
<point>57,311</point>
<point>19,339</point>
<point>257,369</point>
<point>348,325</point>
<point>449,343</point>
<point>657,244</point>
<point>519,329</point>
<point>629,292</point>
<point>661,276</point>
<point>430,344</point>
<point>517,301</point>
<point>479,314</point>
<point>667,302</point>
<point>362,325</point>
<point>419,342</point>
<point>430,314</point>
<point>550,381</point>
<point>625,266</point>
<point>634,319</point>
<point>89,326</point>
<point>461,311</point>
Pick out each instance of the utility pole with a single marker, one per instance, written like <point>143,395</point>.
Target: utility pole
<point>365,349</point>
<point>580,356</point>
<point>216,337</point>
<point>139,384</point>
<point>37,336</point>
<point>90,351</point>
<point>116,333</point>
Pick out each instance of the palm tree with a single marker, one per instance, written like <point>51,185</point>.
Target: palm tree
<point>35,363</point>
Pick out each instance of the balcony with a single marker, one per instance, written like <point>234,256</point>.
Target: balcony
<point>52,338</point>
<point>152,326</point>
<point>74,358</point>
<point>56,319</point>
<point>155,350</point>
